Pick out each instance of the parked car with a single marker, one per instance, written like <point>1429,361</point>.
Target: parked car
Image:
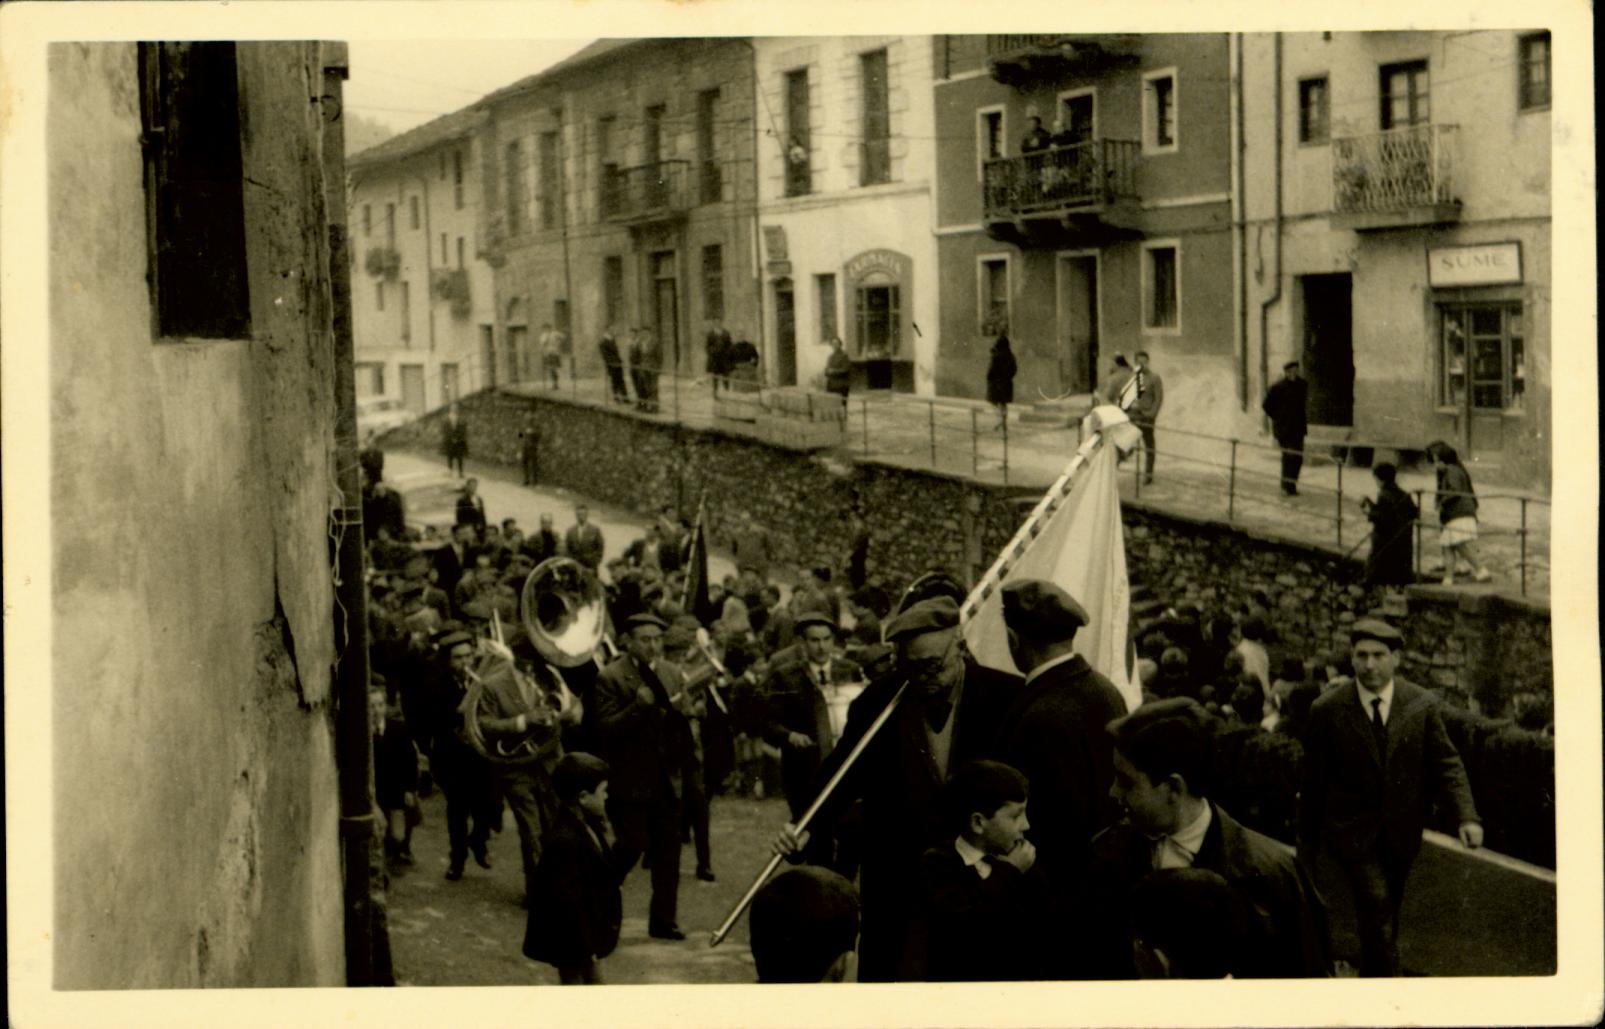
<point>381,414</point>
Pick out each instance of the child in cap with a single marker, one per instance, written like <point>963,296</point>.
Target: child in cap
<point>576,906</point>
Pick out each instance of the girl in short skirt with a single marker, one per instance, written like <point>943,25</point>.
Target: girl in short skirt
<point>1457,514</point>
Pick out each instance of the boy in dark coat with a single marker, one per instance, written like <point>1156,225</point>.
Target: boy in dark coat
<point>575,906</point>
<point>975,891</point>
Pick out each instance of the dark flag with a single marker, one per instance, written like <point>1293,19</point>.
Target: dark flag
<point>695,600</point>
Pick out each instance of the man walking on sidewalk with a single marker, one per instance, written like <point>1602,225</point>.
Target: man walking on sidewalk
<point>1285,404</point>
<point>1145,411</point>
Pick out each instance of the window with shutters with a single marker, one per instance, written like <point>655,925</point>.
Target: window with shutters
<point>607,168</point>
<point>457,178</point>
<point>513,195</point>
<point>1159,109</point>
<point>826,288</point>
<point>412,217</point>
<point>613,289</point>
<point>1314,111</point>
<point>194,190</point>
<point>1161,286</point>
<point>711,185</point>
<point>875,165</point>
<point>992,299</point>
<point>390,225</point>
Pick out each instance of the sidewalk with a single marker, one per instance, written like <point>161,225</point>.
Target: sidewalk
<point>1195,476</point>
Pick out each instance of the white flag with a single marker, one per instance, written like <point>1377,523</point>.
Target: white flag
<point>1082,549</point>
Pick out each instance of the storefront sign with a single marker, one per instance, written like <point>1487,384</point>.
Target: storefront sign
<point>888,262</point>
<point>1486,264</point>
<point>774,242</point>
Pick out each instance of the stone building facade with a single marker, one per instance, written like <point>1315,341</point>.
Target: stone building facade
<point>421,305</point>
<point>620,189</point>
<point>193,777</point>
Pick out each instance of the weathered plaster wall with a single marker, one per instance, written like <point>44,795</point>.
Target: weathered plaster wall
<point>920,520</point>
<point>194,775</point>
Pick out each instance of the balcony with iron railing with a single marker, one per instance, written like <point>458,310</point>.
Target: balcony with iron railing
<point>1395,179</point>
<point>1020,60</point>
<point>1087,189</point>
<point>648,192</point>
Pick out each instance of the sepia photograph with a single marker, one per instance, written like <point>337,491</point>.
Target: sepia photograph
<point>866,528</point>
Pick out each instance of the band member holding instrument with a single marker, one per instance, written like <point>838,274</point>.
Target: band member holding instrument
<point>807,707</point>
<point>461,772</point>
<point>940,724</point>
<point>641,735</point>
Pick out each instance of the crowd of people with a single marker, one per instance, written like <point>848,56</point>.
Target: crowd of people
<point>991,810</point>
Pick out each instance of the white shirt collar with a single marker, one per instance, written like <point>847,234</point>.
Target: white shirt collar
<point>972,856</point>
<point>814,670</point>
<point>1184,844</point>
<point>1367,696</point>
<point>1045,666</point>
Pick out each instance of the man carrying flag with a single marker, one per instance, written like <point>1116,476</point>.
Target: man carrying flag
<point>695,599</point>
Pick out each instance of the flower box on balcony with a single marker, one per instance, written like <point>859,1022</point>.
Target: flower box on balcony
<point>383,262</point>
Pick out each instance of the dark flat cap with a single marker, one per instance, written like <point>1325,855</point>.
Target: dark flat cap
<point>931,615</point>
<point>455,639</point>
<point>636,621</point>
<point>808,618</point>
<point>1041,610</point>
<point>1375,629</point>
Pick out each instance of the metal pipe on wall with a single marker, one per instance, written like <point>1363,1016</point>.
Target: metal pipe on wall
<point>1240,219</point>
<point>1276,279</point>
<point>366,951</point>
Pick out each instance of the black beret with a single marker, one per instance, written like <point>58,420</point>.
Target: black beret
<point>455,639</point>
<point>1375,629</point>
<point>636,621</point>
<point>931,615</point>
<point>1041,610</point>
<point>808,618</point>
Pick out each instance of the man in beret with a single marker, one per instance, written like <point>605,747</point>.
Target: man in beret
<point>807,705</point>
<point>942,722</point>
<point>643,738</point>
<point>1053,732</point>
<point>1376,756</point>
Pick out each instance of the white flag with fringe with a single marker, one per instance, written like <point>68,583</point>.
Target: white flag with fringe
<point>1080,547</point>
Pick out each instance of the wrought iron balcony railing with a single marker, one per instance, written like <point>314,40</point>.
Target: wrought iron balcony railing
<point>1060,180</point>
<point>1394,172</point>
<point>647,191</point>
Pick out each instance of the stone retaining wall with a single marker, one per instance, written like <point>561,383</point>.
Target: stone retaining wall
<point>1477,648</point>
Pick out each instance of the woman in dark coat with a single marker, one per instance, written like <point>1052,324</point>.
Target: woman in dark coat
<point>1393,515</point>
<point>1000,377</point>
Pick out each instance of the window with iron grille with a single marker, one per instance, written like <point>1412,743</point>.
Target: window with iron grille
<point>1314,111</point>
<point>1406,95</point>
<point>551,184</point>
<point>1483,360</point>
<point>1161,287</point>
<point>826,287</point>
<point>194,190</point>
<point>513,174</point>
<point>713,283</point>
<point>799,179</point>
<point>711,184</point>
<point>1159,111</point>
<point>879,319</point>
<point>613,289</point>
<point>1534,70</point>
<point>876,163</point>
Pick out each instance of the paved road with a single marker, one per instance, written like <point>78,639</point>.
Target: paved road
<point>469,933</point>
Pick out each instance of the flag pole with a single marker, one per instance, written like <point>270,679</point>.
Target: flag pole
<point>1006,560</point>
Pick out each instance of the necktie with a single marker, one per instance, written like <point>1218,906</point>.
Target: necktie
<point>824,680</point>
<point>1379,728</point>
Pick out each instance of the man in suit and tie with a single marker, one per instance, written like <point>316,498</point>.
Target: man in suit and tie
<point>807,706</point>
<point>584,540</point>
<point>1164,765</point>
<point>1053,732</point>
<point>471,506</point>
<point>942,722</point>
<point>455,558</point>
<point>643,737</point>
<point>1376,755</point>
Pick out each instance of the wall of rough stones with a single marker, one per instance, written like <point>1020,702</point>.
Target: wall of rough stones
<point>1477,649</point>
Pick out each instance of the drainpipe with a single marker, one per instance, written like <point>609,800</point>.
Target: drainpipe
<point>1240,221</point>
<point>757,203</point>
<point>562,213</point>
<point>429,272</point>
<point>366,950</point>
<point>1276,290</point>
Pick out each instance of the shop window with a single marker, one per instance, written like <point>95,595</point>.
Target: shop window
<point>878,314</point>
<point>194,190</point>
<point>1406,95</point>
<point>1534,71</point>
<point>993,302</point>
<point>1484,358</point>
<point>379,295</point>
<point>1314,111</point>
<point>1159,112</point>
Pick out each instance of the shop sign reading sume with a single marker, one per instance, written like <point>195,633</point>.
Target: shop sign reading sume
<point>1485,264</point>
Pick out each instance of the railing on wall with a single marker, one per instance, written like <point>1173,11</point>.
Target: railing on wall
<point>1062,178</point>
